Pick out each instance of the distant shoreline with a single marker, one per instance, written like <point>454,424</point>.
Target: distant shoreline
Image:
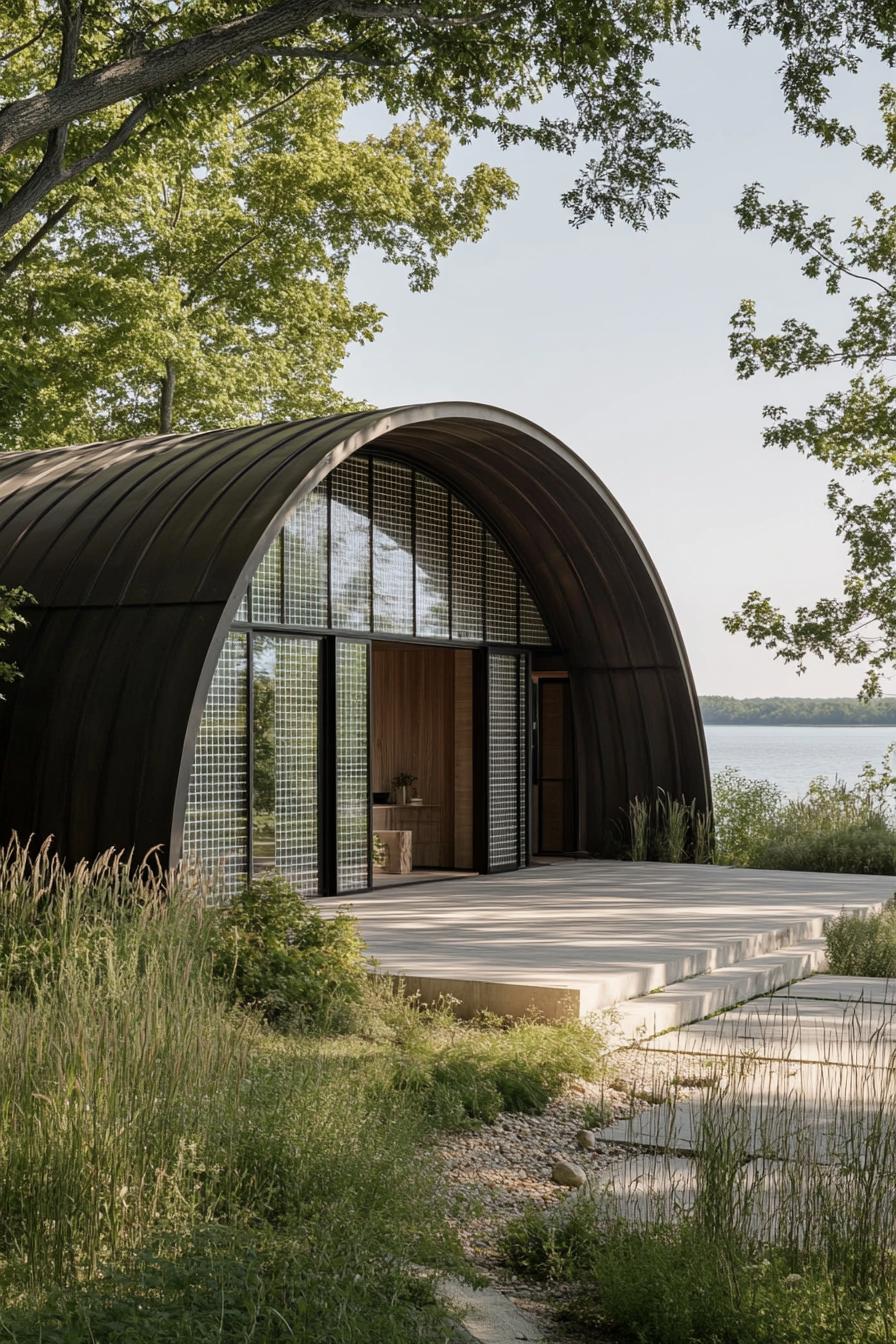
<point>792,712</point>
<point>781,723</point>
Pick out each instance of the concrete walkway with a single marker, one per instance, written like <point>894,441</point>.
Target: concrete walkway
<point>800,1080</point>
<point>582,936</point>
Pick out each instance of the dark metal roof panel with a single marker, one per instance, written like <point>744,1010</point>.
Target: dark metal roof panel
<point>138,553</point>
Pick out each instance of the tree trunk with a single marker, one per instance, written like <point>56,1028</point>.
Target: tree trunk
<point>166,397</point>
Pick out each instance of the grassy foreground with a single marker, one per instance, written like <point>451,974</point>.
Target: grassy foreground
<point>755,1251</point>
<point>175,1168</point>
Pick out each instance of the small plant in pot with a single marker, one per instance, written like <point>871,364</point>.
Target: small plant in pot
<point>401,784</point>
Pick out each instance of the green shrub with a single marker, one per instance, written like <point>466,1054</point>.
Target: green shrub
<point>832,828</point>
<point>279,954</point>
<point>860,945</point>
<point>745,813</point>
<point>860,848</point>
<point>464,1073</point>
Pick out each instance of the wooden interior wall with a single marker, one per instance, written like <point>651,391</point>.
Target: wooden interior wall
<point>463,758</point>
<point>414,729</point>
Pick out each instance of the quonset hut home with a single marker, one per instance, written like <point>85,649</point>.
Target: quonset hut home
<point>242,638</point>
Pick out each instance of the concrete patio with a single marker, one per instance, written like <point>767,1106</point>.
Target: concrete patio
<point>578,937</point>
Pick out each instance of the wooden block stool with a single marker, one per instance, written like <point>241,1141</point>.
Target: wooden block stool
<point>399,852</point>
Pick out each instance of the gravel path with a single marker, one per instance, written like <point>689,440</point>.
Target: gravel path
<point>494,1173</point>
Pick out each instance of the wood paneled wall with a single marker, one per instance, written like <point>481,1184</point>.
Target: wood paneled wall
<point>413,727</point>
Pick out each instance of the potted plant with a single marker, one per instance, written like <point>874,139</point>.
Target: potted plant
<point>400,785</point>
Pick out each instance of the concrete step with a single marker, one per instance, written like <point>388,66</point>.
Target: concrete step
<point>690,1000</point>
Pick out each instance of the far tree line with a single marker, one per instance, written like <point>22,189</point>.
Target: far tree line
<point>785,711</point>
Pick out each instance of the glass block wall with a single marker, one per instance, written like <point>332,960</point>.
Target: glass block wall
<point>352,765</point>
<point>376,548</point>
<point>383,548</point>
<point>506,759</point>
<point>284,758</point>
<point>216,819</point>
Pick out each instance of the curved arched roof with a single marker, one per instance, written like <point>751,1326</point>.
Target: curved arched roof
<point>138,552</point>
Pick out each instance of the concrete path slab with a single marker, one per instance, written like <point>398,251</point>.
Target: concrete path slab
<point>643,1188</point>
<point>771,1198</point>
<point>852,988</point>
<point>836,1032</point>
<point>488,1316</point>
<point>579,937</point>
<point>702,995</point>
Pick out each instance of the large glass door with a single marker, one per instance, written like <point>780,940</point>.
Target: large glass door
<point>352,764</point>
<point>284,769</point>
<point>506,780</point>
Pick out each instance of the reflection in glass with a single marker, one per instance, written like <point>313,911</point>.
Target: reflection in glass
<point>393,564</point>
<point>284,767</point>
<point>466,573</point>
<point>216,817</point>
<point>432,558</point>
<point>350,545</point>
<point>305,561</point>
<point>410,560</point>
<point>267,590</point>
<point>500,589</point>
<point>352,765</point>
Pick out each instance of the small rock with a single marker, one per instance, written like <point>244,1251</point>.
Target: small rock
<point>567,1173</point>
<point>587,1140</point>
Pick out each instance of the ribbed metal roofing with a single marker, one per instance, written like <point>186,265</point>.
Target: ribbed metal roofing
<point>138,552</point>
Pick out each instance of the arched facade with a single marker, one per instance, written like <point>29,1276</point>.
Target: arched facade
<point>478,540</point>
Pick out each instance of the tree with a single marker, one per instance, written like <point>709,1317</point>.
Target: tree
<point>851,430</point>
<point>83,84</point>
<point>208,285</point>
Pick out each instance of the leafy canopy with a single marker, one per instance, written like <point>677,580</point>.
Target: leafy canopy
<point>82,86</point>
<point>209,284</point>
<point>852,429</point>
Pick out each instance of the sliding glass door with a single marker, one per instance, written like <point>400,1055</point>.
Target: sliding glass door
<point>507,738</point>
<point>352,760</point>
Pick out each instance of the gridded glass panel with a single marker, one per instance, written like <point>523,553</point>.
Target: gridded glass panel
<point>393,562</point>
<point>500,594</point>
<point>350,545</point>
<point>523,773</point>
<point>242,611</point>
<point>284,775</point>
<point>503,759</point>
<point>532,627</point>
<point>305,561</point>
<point>432,558</point>
<point>466,573</point>
<point>267,589</point>
<point>216,819</point>
<point>352,766</point>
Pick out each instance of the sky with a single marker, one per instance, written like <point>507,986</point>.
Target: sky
<point>616,342</point>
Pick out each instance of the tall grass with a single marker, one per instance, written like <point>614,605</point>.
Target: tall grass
<point>170,1167</point>
<point>668,829</point>
<point>784,1231</point>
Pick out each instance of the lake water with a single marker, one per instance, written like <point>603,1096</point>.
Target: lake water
<point>791,757</point>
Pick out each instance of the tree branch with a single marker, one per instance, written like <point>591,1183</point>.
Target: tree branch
<point>138,75</point>
<point>844,270</point>
<point>222,262</point>
<point>50,174</point>
<point>23,46</point>
<point>10,267</point>
<point>413,13</point>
